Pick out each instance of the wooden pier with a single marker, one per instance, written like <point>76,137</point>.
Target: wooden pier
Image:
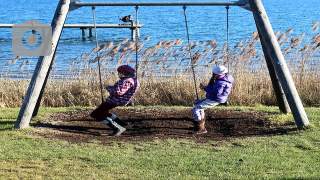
<point>133,27</point>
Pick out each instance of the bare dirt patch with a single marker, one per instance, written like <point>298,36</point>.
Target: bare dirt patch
<point>147,124</point>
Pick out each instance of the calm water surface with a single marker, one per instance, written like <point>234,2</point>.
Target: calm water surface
<point>161,23</point>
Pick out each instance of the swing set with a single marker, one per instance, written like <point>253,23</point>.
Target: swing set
<point>136,52</point>
<point>283,85</point>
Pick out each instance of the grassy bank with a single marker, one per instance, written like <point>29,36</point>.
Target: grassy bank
<point>166,75</point>
<point>294,155</point>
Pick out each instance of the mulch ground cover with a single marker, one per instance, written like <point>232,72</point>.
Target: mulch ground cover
<point>147,124</point>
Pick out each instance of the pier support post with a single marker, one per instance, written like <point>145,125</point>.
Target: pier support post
<point>40,74</point>
<point>279,63</point>
<point>83,33</point>
<point>90,32</point>
<point>135,30</point>
<point>133,35</point>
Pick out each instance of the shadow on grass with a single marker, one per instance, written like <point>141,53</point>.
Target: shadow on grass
<point>6,125</point>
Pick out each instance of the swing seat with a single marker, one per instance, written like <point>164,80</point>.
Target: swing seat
<point>227,103</point>
<point>198,101</point>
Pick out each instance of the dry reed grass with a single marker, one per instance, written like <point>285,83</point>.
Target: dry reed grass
<point>166,76</point>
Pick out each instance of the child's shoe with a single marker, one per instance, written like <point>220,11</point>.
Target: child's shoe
<point>119,121</point>
<point>117,129</point>
<point>199,127</point>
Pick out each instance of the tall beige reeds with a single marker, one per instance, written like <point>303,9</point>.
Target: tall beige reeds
<point>147,38</point>
<point>166,76</point>
<point>315,25</point>
<point>238,44</point>
<point>282,37</point>
<point>15,59</point>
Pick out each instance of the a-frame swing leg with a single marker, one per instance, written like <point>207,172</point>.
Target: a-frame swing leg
<point>279,63</point>
<point>36,109</point>
<point>42,68</point>
<point>281,98</point>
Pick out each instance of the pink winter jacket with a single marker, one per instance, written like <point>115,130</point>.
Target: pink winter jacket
<point>123,91</point>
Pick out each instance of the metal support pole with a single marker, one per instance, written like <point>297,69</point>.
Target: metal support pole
<point>279,63</point>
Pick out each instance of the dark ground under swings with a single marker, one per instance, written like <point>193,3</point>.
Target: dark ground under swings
<point>147,124</point>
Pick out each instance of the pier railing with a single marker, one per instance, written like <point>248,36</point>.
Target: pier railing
<point>134,27</point>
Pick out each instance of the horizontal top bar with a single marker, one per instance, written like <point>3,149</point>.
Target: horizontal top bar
<point>86,25</point>
<point>6,25</point>
<point>101,26</point>
<point>179,3</point>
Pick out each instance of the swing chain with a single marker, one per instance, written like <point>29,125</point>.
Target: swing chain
<point>136,40</point>
<point>98,56</point>
<point>228,46</point>
<point>192,64</point>
<point>136,44</point>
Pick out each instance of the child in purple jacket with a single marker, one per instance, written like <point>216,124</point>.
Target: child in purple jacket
<point>217,91</point>
<point>121,94</point>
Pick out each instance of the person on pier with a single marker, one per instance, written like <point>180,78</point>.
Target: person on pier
<point>126,18</point>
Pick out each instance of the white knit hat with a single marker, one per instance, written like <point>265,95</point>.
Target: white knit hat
<point>219,70</point>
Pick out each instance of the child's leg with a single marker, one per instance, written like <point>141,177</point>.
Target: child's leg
<point>103,115</point>
<point>197,112</point>
<point>208,104</point>
<point>199,120</point>
<point>102,112</point>
<point>199,116</point>
<point>119,121</point>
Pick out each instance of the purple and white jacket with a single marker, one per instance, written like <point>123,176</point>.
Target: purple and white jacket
<point>123,91</point>
<point>220,89</point>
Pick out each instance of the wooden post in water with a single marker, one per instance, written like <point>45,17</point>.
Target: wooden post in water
<point>90,32</point>
<point>279,63</point>
<point>42,68</point>
<point>133,36</point>
<point>83,33</point>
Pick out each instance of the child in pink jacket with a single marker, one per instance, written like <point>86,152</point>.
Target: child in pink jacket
<point>121,94</point>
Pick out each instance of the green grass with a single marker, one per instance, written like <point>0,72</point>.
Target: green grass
<point>295,155</point>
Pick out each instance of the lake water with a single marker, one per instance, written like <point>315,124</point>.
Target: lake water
<point>205,23</point>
